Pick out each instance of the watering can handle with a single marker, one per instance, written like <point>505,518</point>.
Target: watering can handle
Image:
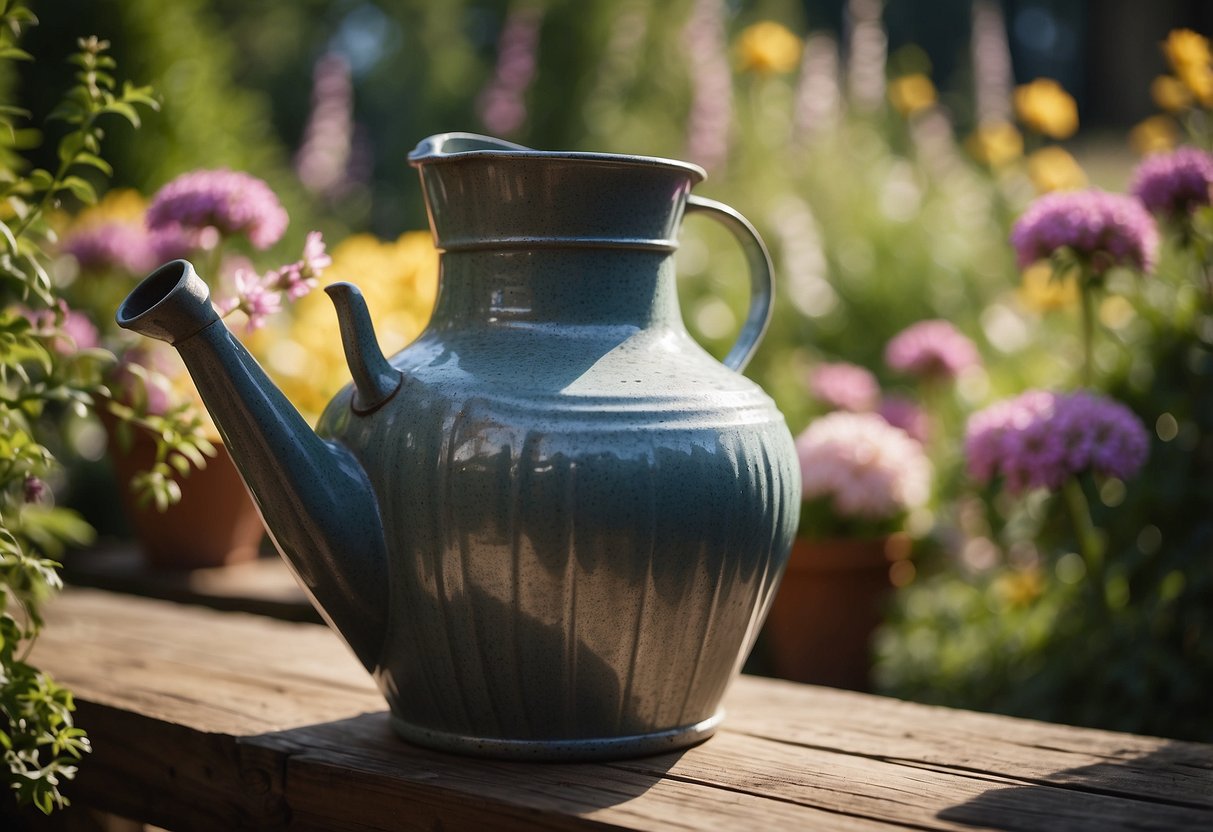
<point>762,290</point>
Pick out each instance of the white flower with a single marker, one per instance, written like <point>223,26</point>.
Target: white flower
<point>868,468</point>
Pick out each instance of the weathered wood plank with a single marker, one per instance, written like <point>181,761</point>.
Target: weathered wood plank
<point>1034,752</point>
<point>206,720</point>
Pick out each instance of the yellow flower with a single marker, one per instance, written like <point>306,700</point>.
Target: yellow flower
<point>1157,134</point>
<point>910,94</point>
<point>995,144</point>
<point>1040,292</point>
<point>400,282</point>
<point>1190,57</point>
<point>1198,78</point>
<point>1170,93</point>
<point>1048,109</point>
<point>118,205</point>
<point>1053,169</point>
<point>768,48</point>
<point>1183,47</point>
<point>1021,587</point>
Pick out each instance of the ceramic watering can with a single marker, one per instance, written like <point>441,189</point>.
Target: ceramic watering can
<point>551,527</point>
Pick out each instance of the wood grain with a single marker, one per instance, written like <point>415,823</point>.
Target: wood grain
<point>211,720</point>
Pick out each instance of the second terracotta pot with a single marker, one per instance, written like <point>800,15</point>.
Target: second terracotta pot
<point>214,524</point>
<point>829,605</point>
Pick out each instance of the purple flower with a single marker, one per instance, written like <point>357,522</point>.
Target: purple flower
<point>1105,229</point>
<point>866,467</point>
<point>1039,438</point>
<point>125,246</point>
<point>501,104</point>
<point>931,349</point>
<point>35,489</point>
<point>254,297</point>
<point>67,329</point>
<point>175,242</point>
<point>903,413</point>
<point>143,378</point>
<point>711,112</point>
<point>1174,184</point>
<point>228,201</point>
<point>297,279</point>
<point>844,386</point>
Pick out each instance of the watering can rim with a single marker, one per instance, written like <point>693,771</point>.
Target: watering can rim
<point>432,150</point>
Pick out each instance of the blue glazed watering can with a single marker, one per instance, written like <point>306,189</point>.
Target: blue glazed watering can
<point>550,527</point>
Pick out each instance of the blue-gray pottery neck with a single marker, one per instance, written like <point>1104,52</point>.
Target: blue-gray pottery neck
<point>550,527</point>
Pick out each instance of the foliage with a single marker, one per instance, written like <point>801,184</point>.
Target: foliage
<point>877,217</point>
<point>42,375</point>
<point>1107,621</point>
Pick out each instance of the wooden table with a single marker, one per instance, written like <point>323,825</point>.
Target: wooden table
<point>208,720</point>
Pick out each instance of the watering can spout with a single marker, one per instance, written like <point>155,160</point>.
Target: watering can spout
<point>313,495</point>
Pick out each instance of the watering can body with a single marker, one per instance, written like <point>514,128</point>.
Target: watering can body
<point>551,526</point>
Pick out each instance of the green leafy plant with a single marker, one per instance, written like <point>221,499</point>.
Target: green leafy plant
<point>44,374</point>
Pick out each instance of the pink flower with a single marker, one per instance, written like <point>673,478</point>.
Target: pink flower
<point>867,468</point>
<point>931,349</point>
<point>297,279</point>
<point>903,413</point>
<point>227,201</point>
<point>501,105</point>
<point>34,488</point>
<point>1174,184</point>
<point>254,297</point>
<point>143,378</point>
<point>844,386</point>
<point>125,246</point>
<point>1039,439</point>
<point>67,329</point>
<point>1105,229</point>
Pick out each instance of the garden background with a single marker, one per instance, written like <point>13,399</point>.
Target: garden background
<point>884,156</point>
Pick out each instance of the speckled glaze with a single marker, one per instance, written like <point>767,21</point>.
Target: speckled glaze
<point>551,526</point>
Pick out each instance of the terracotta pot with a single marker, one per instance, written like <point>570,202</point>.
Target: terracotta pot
<point>214,524</point>
<point>829,605</point>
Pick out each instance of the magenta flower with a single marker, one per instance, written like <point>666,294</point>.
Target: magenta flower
<point>903,413</point>
<point>143,378</point>
<point>501,105</point>
<point>1174,184</point>
<point>124,246</point>
<point>1104,229</point>
<point>844,386</point>
<point>254,297</point>
<point>1039,438</point>
<point>228,201</point>
<point>67,329</point>
<point>175,242</point>
<point>299,278</point>
<point>931,349</point>
<point>34,488</point>
<point>864,466</point>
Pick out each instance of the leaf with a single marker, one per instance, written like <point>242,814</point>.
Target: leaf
<point>125,110</point>
<point>81,188</point>
<point>140,95</point>
<point>20,14</point>
<point>40,179</point>
<point>12,53</point>
<point>85,158</point>
<point>70,145</point>
<point>7,234</point>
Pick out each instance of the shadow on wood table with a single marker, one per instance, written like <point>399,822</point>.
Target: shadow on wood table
<point>1089,796</point>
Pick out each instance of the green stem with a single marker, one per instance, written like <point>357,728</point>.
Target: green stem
<point>1089,539</point>
<point>1086,294</point>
